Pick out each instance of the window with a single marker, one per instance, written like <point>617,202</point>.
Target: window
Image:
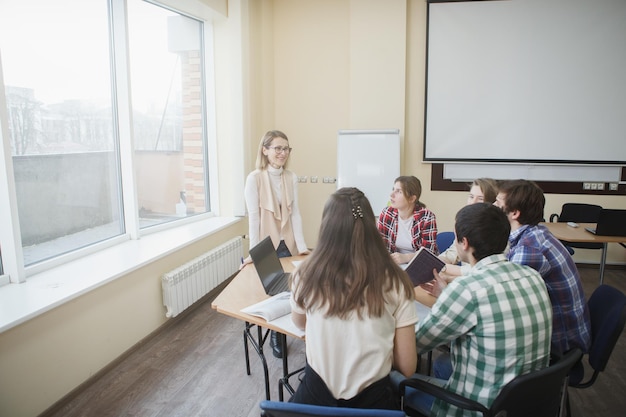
<point>75,188</point>
<point>167,78</point>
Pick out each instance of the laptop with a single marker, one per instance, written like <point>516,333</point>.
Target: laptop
<point>273,277</point>
<point>611,222</point>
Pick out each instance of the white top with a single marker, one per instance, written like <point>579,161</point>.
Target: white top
<point>350,355</point>
<point>404,237</point>
<point>251,194</point>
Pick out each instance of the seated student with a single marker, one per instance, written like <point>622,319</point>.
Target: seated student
<point>497,318</point>
<point>533,245</point>
<point>482,190</point>
<point>406,224</point>
<point>357,308</point>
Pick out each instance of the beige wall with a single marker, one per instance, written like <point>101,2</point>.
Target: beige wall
<point>355,64</point>
<point>310,68</point>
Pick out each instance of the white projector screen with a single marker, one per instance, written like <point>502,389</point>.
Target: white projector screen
<point>526,80</point>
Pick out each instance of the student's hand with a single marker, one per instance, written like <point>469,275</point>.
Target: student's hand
<point>450,272</point>
<point>245,262</point>
<point>305,252</point>
<point>402,258</point>
<point>436,286</point>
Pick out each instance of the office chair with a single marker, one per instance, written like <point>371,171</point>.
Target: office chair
<point>444,240</point>
<point>286,409</point>
<point>578,213</point>
<point>607,308</point>
<point>537,394</point>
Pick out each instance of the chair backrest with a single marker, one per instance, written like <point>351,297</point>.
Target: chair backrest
<point>537,393</point>
<point>580,213</point>
<point>444,240</point>
<point>607,310</point>
<point>286,409</point>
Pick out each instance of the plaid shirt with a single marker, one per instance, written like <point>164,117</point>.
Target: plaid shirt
<point>498,319</point>
<point>536,247</point>
<point>424,230</point>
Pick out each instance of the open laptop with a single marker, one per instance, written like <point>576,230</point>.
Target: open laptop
<point>273,277</point>
<point>611,222</point>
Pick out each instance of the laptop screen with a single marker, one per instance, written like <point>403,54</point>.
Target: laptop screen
<point>611,222</point>
<point>266,261</point>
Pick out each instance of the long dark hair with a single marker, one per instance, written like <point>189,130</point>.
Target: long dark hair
<point>350,268</point>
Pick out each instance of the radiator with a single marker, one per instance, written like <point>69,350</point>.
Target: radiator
<point>186,284</point>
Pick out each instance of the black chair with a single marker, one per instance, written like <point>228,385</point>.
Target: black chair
<point>578,213</point>
<point>607,308</point>
<point>537,394</point>
<point>281,409</point>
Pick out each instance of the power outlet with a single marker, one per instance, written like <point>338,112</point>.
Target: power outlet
<point>586,186</point>
<point>302,178</point>
<point>613,186</point>
<point>314,179</point>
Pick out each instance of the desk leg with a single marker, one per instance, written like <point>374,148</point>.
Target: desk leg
<point>258,346</point>
<point>603,262</point>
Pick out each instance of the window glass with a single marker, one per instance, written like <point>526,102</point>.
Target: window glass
<point>57,75</point>
<point>167,78</point>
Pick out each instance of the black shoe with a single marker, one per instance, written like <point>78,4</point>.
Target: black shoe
<point>277,349</point>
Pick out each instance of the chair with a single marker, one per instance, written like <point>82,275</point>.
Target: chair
<point>578,213</point>
<point>607,308</point>
<point>444,240</point>
<point>537,394</point>
<point>286,409</point>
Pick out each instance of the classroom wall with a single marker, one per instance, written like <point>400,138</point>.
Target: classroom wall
<point>357,64</point>
<point>308,67</point>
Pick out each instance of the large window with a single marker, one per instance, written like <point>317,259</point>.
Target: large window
<point>167,78</point>
<point>81,176</point>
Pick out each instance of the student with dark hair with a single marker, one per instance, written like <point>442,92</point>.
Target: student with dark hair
<point>357,308</point>
<point>406,224</point>
<point>533,245</point>
<point>497,318</point>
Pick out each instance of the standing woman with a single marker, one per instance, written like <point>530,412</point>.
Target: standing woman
<point>271,195</point>
<point>406,224</point>
<point>356,306</point>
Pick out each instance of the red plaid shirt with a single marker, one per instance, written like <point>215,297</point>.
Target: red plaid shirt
<point>424,229</point>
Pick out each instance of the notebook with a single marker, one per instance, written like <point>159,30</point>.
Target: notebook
<point>273,277</point>
<point>420,269</point>
<point>611,222</point>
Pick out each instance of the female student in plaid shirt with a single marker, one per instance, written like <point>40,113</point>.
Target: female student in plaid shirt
<point>406,224</point>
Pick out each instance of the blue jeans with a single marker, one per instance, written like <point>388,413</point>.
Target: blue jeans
<point>414,398</point>
<point>442,366</point>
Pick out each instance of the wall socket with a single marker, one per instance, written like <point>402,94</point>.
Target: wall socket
<point>302,178</point>
<point>594,186</point>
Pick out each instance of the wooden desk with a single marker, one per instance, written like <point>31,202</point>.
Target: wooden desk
<point>578,234</point>
<point>244,290</point>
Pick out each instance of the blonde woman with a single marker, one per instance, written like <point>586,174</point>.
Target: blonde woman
<point>271,195</point>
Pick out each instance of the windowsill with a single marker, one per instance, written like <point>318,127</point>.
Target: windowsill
<point>46,290</point>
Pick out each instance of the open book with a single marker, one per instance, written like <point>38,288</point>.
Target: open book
<point>420,269</point>
<point>277,311</point>
<point>271,308</point>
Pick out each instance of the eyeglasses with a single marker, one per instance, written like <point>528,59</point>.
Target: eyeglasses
<point>280,149</point>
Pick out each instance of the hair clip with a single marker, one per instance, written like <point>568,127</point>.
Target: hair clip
<point>357,212</point>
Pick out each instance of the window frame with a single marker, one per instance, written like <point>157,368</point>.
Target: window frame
<point>10,236</point>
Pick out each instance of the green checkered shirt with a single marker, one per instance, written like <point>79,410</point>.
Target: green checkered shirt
<point>498,320</point>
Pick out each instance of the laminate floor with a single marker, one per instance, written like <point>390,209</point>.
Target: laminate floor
<point>195,367</point>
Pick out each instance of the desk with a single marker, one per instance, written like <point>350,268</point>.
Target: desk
<point>244,290</point>
<point>578,234</point>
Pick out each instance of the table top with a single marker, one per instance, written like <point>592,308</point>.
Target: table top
<point>567,233</point>
<point>246,289</point>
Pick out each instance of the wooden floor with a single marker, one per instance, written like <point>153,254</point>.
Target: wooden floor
<point>195,367</point>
